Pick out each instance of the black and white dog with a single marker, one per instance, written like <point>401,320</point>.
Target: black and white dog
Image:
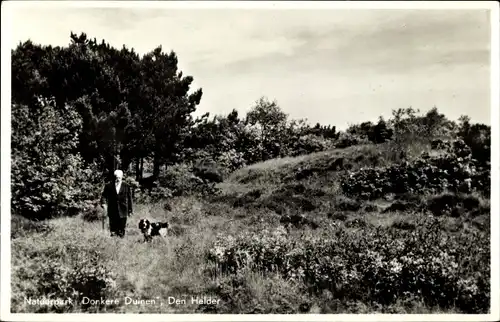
<point>149,230</point>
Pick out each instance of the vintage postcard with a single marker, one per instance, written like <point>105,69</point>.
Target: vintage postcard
<point>250,160</point>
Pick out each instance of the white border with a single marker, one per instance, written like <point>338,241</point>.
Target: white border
<point>279,5</point>
<point>5,156</point>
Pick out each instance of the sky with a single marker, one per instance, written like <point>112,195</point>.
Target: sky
<point>332,66</point>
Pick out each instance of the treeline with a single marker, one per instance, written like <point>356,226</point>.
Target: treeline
<point>81,111</point>
<point>131,106</point>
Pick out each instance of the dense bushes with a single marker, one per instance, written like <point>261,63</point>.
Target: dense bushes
<point>265,133</point>
<point>346,140</point>
<point>455,172</point>
<point>182,180</point>
<point>69,272</point>
<point>375,133</point>
<point>372,265</point>
<point>49,178</point>
<point>478,138</point>
<point>21,226</point>
<point>309,144</point>
<point>456,205</point>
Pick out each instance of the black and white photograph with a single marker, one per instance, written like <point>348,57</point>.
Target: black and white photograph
<point>282,160</point>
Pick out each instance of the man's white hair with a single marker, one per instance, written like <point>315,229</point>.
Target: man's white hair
<point>119,173</point>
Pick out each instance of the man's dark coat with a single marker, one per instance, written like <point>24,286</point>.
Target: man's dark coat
<point>119,205</point>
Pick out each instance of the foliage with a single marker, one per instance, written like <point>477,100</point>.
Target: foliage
<point>346,140</point>
<point>49,178</point>
<point>81,274</point>
<point>264,134</point>
<point>125,101</point>
<point>182,179</point>
<point>478,138</point>
<point>270,122</point>
<point>326,131</point>
<point>209,171</point>
<point>310,144</point>
<point>94,213</point>
<point>455,171</point>
<point>21,226</point>
<point>231,160</point>
<point>375,133</point>
<point>372,265</point>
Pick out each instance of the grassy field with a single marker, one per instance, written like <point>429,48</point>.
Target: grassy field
<point>71,257</point>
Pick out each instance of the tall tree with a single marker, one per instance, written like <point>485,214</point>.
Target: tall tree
<point>270,122</point>
<point>169,105</point>
<point>132,107</point>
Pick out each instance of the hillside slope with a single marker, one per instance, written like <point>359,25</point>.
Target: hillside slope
<point>280,237</point>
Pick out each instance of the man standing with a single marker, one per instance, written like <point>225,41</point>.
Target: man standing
<point>118,197</point>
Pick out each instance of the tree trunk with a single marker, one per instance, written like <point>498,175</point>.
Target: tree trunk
<point>125,164</point>
<point>156,167</point>
<point>156,161</point>
<point>110,166</point>
<point>138,174</point>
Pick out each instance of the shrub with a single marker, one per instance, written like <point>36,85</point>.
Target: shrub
<point>156,194</point>
<point>21,226</point>
<point>48,175</point>
<point>370,208</point>
<point>281,202</point>
<point>402,206</point>
<point>440,144</point>
<point>209,171</point>
<point>93,213</point>
<point>310,144</point>
<point>247,198</point>
<point>178,180</point>
<point>453,204</point>
<point>61,273</point>
<point>423,175</point>
<point>298,221</point>
<point>356,223</point>
<point>346,204</point>
<point>231,160</point>
<point>371,265</point>
<point>346,140</point>
<point>376,133</point>
<point>478,138</point>
<point>133,184</point>
<point>404,224</point>
<point>251,293</point>
<point>338,216</point>
<point>88,278</point>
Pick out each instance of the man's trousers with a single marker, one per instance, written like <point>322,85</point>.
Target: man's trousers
<point>117,226</point>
